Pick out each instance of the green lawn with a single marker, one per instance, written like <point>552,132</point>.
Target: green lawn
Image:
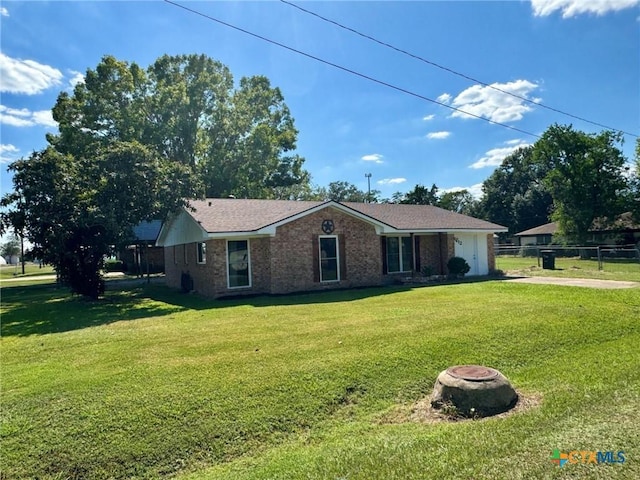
<point>30,270</point>
<point>573,267</point>
<point>153,384</point>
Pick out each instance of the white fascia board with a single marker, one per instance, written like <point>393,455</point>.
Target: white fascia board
<point>380,227</point>
<point>393,231</point>
<point>237,235</point>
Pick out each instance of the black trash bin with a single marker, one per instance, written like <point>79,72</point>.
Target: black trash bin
<point>548,259</point>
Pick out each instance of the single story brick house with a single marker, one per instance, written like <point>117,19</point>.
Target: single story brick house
<point>224,247</point>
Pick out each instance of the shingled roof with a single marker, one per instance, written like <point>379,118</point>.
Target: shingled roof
<point>242,215</point>
<point>546,229</point>
<point>421,217</point>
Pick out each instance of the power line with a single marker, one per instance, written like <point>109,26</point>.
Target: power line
<point>348,70</point>
<point>450,70</point>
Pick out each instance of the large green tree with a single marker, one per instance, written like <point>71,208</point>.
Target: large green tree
<point>421,195</point>
<point>514,195</point>
<point>133,144</point>
<point>76,210</point>
<point>341,191</point>
<point>585,177</point>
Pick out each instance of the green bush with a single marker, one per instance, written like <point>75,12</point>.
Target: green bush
<point>458,266</point>
<point>114,266</point>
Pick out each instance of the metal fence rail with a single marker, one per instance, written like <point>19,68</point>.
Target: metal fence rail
<point>601,253</point>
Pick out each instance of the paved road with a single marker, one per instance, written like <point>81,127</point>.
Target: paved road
<point>575,282</point>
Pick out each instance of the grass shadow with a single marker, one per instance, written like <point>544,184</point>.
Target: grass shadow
<point>46,309</point>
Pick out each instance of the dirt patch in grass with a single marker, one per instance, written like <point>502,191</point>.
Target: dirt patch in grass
<point>422,411</point>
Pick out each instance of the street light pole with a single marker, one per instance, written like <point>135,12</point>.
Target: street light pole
<point>368,175</point>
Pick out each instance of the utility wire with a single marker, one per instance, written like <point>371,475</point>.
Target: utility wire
<point>450,70</point>
<point>348,70</point>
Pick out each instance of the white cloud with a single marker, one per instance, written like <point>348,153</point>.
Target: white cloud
<point>572,8</point>
<point>374,157</point>
<point>4,12</point>
<point>391,181</point>
<point>27,76</point>
<point>428,117</point>
<point>26,118</point>
<point>444,98</point>
<point>8,152</point>
<point>76,78</point>
<point>44,118</point>
<point>475,190</point>
<point>495,156</point>
<point>493,104</point>
<point>438,135</point>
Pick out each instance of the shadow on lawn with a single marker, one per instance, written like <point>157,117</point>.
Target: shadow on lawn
<point>44,309</point>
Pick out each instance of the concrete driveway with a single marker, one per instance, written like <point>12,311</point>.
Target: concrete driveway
<point>574,282</point>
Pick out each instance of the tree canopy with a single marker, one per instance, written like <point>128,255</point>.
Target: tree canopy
<point>133,144</point>
<point>460,201</point>
<point>567,176</point>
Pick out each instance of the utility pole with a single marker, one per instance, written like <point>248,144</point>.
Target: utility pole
<point>368,175</point>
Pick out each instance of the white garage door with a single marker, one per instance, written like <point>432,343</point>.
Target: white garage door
<point>473,248</point>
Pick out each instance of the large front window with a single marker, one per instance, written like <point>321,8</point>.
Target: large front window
<point>329,259</point>
<point>238,263</point>
<point>399,254</point>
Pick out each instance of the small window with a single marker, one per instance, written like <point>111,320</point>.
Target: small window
<point>329,260</point>
<point>175,255</point>
<point>399,254</point>
<point>185,254</point>
<point>238,263</point>
<point>202,252</point>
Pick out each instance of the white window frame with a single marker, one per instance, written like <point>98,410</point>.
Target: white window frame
<point>335,237</point>
<point>400,259</point>
<point>201,253</point>
<point>248,264</point>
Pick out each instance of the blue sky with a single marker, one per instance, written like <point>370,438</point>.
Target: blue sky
<point>582,57</point>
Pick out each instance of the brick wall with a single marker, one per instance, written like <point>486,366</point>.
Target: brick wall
<point>491,252</point>
<point>430,252</point>
<point>285,263</point>
<point>292,255</point>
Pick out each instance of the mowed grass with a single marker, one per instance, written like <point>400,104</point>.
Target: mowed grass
<point>30,270</point>
<point>152,384</point>
<point>573,267</point>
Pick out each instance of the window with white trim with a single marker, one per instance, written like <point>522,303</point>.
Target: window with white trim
<point>399,254</point>
<point>329,260</point>
<point>201,253</point>
<point>238,264</point>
